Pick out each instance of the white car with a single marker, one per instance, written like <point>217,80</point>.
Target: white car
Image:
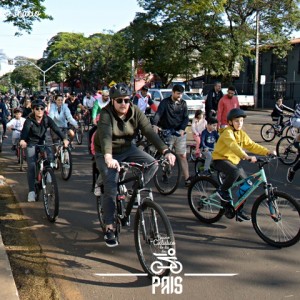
<point>192,104</point>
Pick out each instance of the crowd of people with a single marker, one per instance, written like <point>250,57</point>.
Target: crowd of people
<point>117,116</point>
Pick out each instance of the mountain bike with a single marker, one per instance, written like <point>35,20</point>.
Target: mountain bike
<point>167,177</point>
<point>45,183</point>
<point>78,132</point>
<point>63,160</point>
<point>275,215</point>
<point>287,152</point>
<point>268,131</point>
<point>153,234</point>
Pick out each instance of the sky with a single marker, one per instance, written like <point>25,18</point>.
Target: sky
<point>88,17</point>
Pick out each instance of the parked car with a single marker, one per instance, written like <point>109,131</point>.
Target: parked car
<point>192,104</point>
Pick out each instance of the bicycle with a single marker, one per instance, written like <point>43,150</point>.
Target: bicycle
<point>87,119</point>
<point>167,177</point>
<point>287,152</point>
<point>63,160</point>
<point>153,233</point>
<point>78,132</point>
<point>268,131</point>
<point>20,152</point>
<point>45,183</point>
<point>275,215</point>
<point>1,135</point>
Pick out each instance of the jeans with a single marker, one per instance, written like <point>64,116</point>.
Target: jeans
<point>232,172</point>
<point>110,177</point>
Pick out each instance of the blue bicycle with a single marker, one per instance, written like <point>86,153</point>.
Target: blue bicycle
<point>275,215</point>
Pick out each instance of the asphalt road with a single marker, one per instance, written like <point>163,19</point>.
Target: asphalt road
<point>225,260</point>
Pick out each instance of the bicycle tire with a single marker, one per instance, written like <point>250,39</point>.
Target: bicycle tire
<point>287,152</point>
<point>50,195</point>
<point>284,232</point>
<point>268,132</point>
<point>200,190</point>
<point>292,131</point>
<point>152,234</point>
<point>167,178</point>
<point>99,201</point>
<point>79,134</point>
<point>66,165</point>
<point>20,158</point>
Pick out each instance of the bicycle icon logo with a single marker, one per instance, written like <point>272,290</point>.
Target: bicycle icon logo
<point>166,261</point>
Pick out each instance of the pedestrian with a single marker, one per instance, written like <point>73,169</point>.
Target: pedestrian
<point>212,100</point>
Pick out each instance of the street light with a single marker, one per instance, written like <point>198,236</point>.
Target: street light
<point>42,71</point>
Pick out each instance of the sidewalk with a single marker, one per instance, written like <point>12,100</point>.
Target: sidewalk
<point>8,290</point>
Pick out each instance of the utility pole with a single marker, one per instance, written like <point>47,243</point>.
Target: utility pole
<point>42,71</point>
<point>256,61</point>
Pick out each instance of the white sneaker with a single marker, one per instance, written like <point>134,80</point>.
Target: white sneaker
<point>31,196</point>
<point>97,190</point>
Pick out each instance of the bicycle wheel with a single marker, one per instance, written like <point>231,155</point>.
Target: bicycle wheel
<point>167,177</point>
<point>50,194</point>
<point>292,131</point>
<point>79,134</point>
<point>286,150</point>
<point>99,200</point>
<point>153,235</point>
<point>66,164</point>
<point>277,221</point>
<point>268,132</point>
<point>205,209</point>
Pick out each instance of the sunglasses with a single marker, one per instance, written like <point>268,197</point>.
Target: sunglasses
<point>120,100</point>
<point>39,108</point>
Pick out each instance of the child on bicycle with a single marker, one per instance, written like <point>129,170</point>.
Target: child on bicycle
<point>277,113</point>
<point>198,125</point>
<point>16,123</point>
<point>229,151</point>
<point>209,137</point>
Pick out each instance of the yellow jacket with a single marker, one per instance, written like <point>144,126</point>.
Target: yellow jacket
<point>231,143</point>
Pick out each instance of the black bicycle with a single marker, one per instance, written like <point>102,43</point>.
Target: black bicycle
<point>269,131</point>
<point>45,183</point>
<point>153,234</point>
<point>287,152</point>
<point>167,177</point>
<point>63,160</point>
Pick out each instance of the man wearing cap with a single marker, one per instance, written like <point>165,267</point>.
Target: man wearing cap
<point>142,99</point>
<point>99,104</point>
<point>34,133</point>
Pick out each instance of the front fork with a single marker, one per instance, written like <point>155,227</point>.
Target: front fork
<point>272,204</point>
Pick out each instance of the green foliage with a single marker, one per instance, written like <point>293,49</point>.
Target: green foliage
<point>25,76</point>
<point>22,14</point>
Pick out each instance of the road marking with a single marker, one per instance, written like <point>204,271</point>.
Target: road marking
<point>121,274</point>
<point>210,274</point>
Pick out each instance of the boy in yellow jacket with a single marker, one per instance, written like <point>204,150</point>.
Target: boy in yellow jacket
<point>229,151</point>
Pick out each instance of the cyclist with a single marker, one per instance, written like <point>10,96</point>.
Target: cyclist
<point>101,101</point>
<point>16,123</point>
<point>4,115</point>
<point>142,99</point>
<point>88,103</point>
<point>61,115</point>
<point>34,133</point>
<point>119,122</point>
<point>277,113</point>
<point>74,105</point>
<point>229,151</point>
<point>198,125</point>
<point>172,115</point>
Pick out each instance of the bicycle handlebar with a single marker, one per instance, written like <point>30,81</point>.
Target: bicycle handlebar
<point>141,166</point>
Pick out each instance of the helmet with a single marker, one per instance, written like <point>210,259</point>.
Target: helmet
<point>36,103</point>
<point>18,109</point>
<point>119,90</point>
<point>236,113</point>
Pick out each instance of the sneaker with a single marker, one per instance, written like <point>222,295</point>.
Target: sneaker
<point>297,145</point>
<point>241,216</point>
<point>224,195</point>
<point>135,204</point>
<point>97,190</point>
<point>31,196</point>
<point>4,136</point>
<point>206,173</point>
<point>110,238</point>
<point>290,175</point>
<point>187,182</point>
<point>13,148</point>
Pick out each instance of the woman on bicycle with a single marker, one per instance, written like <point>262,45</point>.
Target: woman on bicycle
<point>228,153</point>
<point>61,115</point>
<point>34,133</point>
<point>119,123</point>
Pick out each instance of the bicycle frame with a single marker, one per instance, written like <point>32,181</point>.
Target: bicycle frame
<point>257,179</point>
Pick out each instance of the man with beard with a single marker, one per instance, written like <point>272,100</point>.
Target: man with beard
<point>226,104</point>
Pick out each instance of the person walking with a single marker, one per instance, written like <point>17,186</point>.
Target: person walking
<point>212,100</point>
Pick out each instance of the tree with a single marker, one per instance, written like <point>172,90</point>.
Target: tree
<point>22,14</point>
<point>25,76</point>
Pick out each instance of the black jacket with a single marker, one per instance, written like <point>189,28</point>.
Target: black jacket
<point>34,133</point>
<point>212,101</point>
<point>172,115</point>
